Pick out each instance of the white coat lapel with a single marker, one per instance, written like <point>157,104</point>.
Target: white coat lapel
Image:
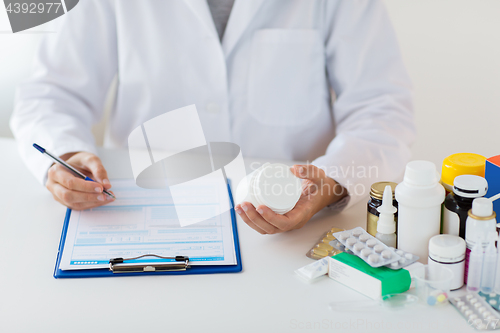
<point>241,15</point>
<point>200,8</point>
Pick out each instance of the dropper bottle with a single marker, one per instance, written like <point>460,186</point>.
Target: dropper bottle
<point>386,225</point>
<point>489,265</point>
<point>475,266</point>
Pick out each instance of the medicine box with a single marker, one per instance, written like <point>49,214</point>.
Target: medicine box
<point>373,282</point>
<point>492,175</point>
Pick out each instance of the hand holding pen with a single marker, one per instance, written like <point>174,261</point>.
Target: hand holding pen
<point>73,188</point>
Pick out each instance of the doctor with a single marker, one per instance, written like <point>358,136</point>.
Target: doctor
<point>309,80</point>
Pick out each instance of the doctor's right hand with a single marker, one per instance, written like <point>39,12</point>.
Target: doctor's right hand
<point>74,192</point>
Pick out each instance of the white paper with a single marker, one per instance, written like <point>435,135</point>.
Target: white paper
<point>144,221</point>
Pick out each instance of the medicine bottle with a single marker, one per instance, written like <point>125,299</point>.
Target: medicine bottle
<point>480,223</point>
<point>448,251</point>
<point>457,204</point>
<point>461,164</point>
<point>271,185</point>
<point>375,201</point>
<point>419,197</point>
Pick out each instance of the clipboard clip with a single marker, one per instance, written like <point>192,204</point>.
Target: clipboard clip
<point>118,265</point>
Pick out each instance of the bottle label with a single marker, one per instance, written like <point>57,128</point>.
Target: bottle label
<point>371,224</point>
<point>466,268</point>
<point>451,222</point>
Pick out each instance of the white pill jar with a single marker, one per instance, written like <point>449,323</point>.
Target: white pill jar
<point>271,185</point>
<point>448,251</point>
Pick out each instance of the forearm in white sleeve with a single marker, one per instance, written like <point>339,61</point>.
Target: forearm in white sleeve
<point>373,110</point>
<point>64,97</point>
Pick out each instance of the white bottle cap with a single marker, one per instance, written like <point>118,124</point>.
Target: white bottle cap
<point>482,207</point>
<point>277,188</point>
<point>386,223</point>
<point>446,248</point>
<point>421,173</point>
<point>470,186</point>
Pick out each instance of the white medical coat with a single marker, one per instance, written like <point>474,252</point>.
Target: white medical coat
<point>268,87</point>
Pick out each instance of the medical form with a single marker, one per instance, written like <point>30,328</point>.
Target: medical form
<point>143,221</point>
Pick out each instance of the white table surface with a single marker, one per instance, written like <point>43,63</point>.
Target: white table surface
<point>265,297</point>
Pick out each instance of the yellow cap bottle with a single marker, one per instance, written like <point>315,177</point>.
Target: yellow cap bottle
<point>461,164</point>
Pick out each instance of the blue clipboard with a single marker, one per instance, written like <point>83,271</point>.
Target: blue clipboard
<point>105,272</point>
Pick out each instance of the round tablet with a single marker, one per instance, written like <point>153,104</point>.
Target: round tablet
<point>459,303</point>
<point>371,242</point>
<point>344,235</point>
<point>378,248</point>
<point>373,258</point>
<point>402,261</point>
<point>409,256</point>
<point>320,252</point>
<point>386,254</point>
<point>357,233</point>
<point>477,305</point>
<point>457,299</point>
<point>431,300</point>
<point>469,296</point>
<point>394,264</point>
<point>486,314</point>
<point>472,317</point>
<point>359,246</point>
<point>324,246</point>
<point>492,302</point>
<point>465,308</point>
<point>472,301</point>
<point>468,312</point>
<point>399,252</point>
<point>366,252</point>
<point>492,294</point>
<point>481,309</point>
<point>363,238</point>
<point>441,298</point>
<point>351,241</point>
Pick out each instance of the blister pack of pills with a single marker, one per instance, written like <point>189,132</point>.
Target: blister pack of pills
<point>371,250</point>
<point>406,259</point>
<point>492,299</point>
<point>477,312</point>
<point>326,246</point>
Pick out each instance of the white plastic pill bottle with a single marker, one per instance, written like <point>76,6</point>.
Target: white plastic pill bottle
<point>271,185</point>
<point>448,251</point>
<point>419,196</point>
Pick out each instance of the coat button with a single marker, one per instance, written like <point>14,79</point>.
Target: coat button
<point>213,108</point>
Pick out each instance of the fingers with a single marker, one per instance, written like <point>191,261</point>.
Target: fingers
<point>249,214</point>
<point>59,174</point>
<point>308,171</point>
<point>93,164</point>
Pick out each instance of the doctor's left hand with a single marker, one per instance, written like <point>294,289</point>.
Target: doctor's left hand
<point>318,191</point>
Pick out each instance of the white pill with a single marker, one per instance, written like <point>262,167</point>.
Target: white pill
<point>460,303</point>
<point>371,243</point>
<point>378,248</point>
<point>481,309</point>
<point>464,308</point>
<point>469,296</point>
<point>492,294</point>
<point>357,233</point>
<point>486,314</point>
<point>409,256</point>
<point>472,301</point>
<point>468,312</point>
<point>363,238</point>
<point>399,252</point>
<point>366,252</point>
<point>493,302</point>
<point>345,235</point>
<point>373,258</point>
<point>351,241</point>
<point>457,299</point>
<point>402,261</point>
<point>394,264</point>
<point>386,254</point>
<point>472,317</point>
<point>477,305</point>
<point>359,246</point>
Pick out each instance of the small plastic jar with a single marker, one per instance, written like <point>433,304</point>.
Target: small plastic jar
<point>448,251</point>
<point>271,185</point>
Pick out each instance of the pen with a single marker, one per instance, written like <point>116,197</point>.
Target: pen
<point>69,167</point>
